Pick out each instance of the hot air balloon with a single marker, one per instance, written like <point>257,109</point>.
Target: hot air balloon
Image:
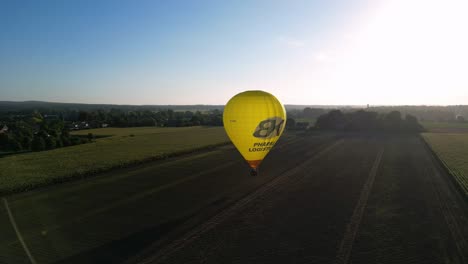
<point>254,121</point>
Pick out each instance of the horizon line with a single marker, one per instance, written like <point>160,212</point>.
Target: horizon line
<point>199,104</point>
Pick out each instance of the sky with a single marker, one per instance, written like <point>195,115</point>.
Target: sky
<point>336,52</point>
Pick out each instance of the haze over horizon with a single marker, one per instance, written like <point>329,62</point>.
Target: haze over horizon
<point>184,53</point>
<point>203,104</point>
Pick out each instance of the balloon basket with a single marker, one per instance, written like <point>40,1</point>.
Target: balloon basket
<point>253,172</point>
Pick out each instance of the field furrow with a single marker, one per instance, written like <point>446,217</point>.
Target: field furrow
<point>288,223</point>
<point>407,219</point>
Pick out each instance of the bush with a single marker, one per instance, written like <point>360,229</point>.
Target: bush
<point>75,141</point>
<point>58,143</point>
<point>14,145</point>
<point>65,141</point>
<point>50,142</point>
<point>38,144</point>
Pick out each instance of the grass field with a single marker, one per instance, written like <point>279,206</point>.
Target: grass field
<point>452,149</point>
<point>445,127</point>
<point>129,131</point>
<point>311,121</point>
<point>125,146</point>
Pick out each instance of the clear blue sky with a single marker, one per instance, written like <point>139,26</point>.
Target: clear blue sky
<point>203,52</point>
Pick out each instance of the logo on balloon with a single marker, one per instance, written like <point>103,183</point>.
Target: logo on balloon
<point>269,128</point>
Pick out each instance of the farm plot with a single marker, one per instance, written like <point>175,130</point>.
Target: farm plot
<point>445,127</point>
<point>110,218</point>
<point>128,131</point>
<point>301,219</point>
<point>452,149</point>
<point>129,146</point>
<point>414,214</point>
<point>410,214</point>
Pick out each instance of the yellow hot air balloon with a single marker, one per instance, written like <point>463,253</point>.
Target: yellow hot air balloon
<point>254,121</point>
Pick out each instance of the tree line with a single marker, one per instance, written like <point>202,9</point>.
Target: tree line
<point>162,118</point>
<point>25,136</point>
<point>36,131</point>
<point>362,120</point>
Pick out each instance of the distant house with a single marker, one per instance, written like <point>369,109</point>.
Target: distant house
<point>73,126</point>
<point>4,129</point>
<point>79,125</point>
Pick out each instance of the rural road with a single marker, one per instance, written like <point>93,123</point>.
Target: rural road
<point>318,199</point>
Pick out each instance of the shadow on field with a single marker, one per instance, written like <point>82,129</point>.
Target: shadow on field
<point>119,250</point>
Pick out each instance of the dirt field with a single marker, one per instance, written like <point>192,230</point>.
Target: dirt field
<point>318,199</point>
<point>367,200</point>
<point>111,217</point>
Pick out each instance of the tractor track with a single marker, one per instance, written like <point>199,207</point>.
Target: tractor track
<point>192,235</point>
<point>450,204</point>
<point>415,213</point>
<point>346,245</point>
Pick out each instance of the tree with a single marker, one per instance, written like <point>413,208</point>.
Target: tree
<point>313,112</point>
<point>334,119</point>
<point>368,121</point>
<point>50,142</point>
<point>58,142</point>
<point>65,141</point>
<point>290,123</point>
<point>14,145</point>
<point>4,139</point>
<point>302,125</point>
<point>83,116</point>
<point>26,142</point>
<point>38,144</point>
<point>362,121</point>
<point>37,117</point>
<point>411,124</point>
<point>392,121</point>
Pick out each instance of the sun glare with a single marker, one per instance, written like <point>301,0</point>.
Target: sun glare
<point>405,52</point>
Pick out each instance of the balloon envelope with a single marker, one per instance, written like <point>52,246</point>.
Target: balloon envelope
<point>254,121</point>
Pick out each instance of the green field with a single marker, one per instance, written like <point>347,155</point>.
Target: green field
<point>128,131</point>
<point>125,146</point>
<point>445,126</point>
<point>452,149</point>
<point>311,121</point>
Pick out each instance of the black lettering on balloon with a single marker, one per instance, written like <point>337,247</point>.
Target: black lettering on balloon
<point>265,128</point>
<point>269,128</point>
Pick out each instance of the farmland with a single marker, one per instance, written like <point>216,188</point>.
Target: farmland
<point>134,206</point>
<point>124,147</point>
<point>445,127</point>
<point>453,151</point>
<point>386,202</point>
<point>320,198</point>
<point>135,131</point>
